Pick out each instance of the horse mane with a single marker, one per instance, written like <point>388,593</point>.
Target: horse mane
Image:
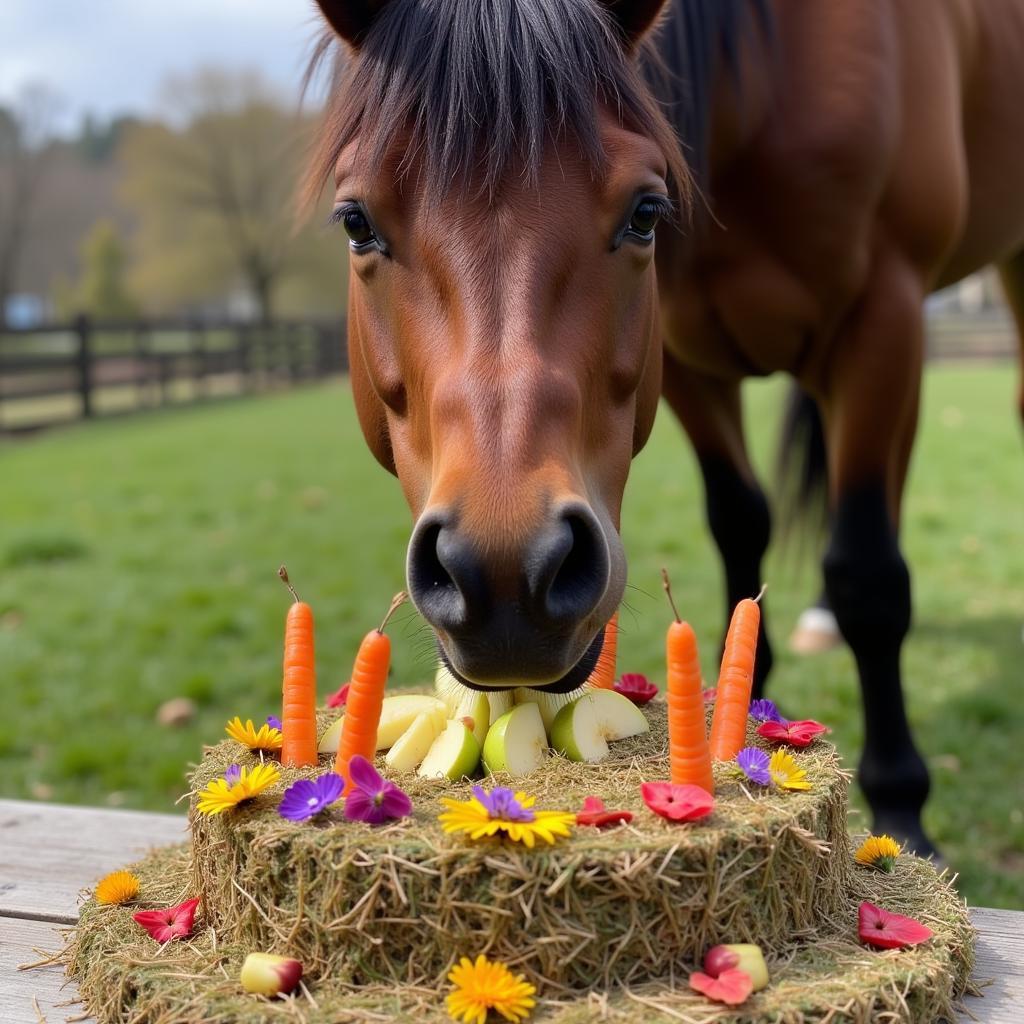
<point>473,90</point>
<point>680,60</point>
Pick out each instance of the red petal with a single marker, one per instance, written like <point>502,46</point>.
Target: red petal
<point>677,802</point>
<point>337,700</point>
<point>172,923</point>
<point>731,987</point>
<point>796,734</point>
<point>638,688</point>
<point>709,695</point>
<point>595,813</point>
<point>879,927</point>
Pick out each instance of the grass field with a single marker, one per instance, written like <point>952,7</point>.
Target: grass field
<point>138,558</point>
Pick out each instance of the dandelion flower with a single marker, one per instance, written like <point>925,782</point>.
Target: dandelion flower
<point>117,887</point>
<point>486,985</point>
<point>222,794</point>
<point>784,771</point>
<point>878,852</point>
<point>501,810</point>
<point>265,738</point>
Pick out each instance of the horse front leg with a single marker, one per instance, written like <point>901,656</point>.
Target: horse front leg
<point>738,515</point>
<point>871,402</point>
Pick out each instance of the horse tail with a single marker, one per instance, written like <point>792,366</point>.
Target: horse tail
<point>802,463</point>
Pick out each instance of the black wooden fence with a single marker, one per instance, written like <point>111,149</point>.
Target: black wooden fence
<point>58,373</point>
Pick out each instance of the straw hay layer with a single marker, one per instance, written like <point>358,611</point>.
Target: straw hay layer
<point>827,977</point>
<point>399,905</point>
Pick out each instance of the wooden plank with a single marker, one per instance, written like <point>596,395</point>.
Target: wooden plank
<point>49,852</point>
<point>20,942</point>
<point>1000,957</point>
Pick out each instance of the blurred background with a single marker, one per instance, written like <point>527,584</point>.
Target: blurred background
<point>175,422</point>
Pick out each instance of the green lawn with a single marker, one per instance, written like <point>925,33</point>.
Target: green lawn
<point>138,559</point>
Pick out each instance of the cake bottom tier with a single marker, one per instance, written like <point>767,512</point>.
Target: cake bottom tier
<point>822,975</point>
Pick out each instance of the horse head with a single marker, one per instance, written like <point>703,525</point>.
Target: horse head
<point>500,170</point>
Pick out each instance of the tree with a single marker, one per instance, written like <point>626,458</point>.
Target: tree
<point>213,194</point>
<point>101,291</point>
<point>24,134</point>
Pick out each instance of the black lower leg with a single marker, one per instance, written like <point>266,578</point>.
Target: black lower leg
<point>740,522</point>
<point>868,587</point>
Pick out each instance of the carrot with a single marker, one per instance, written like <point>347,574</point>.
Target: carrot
<point>365,697</point>
<point>735,680</point>
<point>689,753</point>
<point>298,712</point>
<point>603,676</point>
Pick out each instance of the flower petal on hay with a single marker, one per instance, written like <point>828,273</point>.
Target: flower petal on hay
<point>340,698</point>
<point>638,688</point>
<point>172,923</point>
<point>364,775</point>
<point>595,813</point>
<point>395,802</point>
<point>730,987</point>
<point>795,734</point>
<point>677,802</point>
<point>886,930</point>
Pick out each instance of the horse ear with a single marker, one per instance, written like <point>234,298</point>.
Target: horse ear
<point>635,17</point>
<point>351,19</point>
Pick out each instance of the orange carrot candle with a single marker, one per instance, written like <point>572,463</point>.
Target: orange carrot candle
<point>689,753</point>
<point>365,697</point>
<point>603,676</point>
<point>735,681</point>
<point>298,711</point>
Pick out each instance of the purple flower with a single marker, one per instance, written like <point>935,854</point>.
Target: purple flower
<point>274,722</point>
<point>501,804</point>
<point>233,775</point>
<point>765,711</point>
<point>308,797</point>
<point>754,764</point>
<point>373,799</point>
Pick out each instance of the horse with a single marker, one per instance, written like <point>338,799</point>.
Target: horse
<point>808,172</point>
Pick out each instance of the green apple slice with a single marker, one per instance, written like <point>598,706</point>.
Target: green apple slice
<point>399,712</point>
<point>582,729</point>
<point>329,740</point>
<point>414,744</point>
<point>517,742</point>
<point>549,703</point>
<point>453,755</point>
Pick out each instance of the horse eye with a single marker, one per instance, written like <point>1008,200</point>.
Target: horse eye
<point>645,219</point>
<point>357,227</point>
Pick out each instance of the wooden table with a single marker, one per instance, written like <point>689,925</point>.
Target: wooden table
<point>49,853</point>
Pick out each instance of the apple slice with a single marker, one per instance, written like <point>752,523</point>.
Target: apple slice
<point>582,729</point>
<point>474,706</point>
<point>414,744</point>
<point>453,755</point>
<point>549,703</point>
<point>329,740</point>
<point>399,712</point>
<point>517,742</point>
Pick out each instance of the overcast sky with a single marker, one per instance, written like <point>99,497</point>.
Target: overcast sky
<point>110,56</point>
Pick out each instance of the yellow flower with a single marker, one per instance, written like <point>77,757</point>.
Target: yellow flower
<point>785,773</point>
<point>117,887</point>
<point>488,985</point>
<point>267,738</point>
<point>481,816</point>
<point>221,795</point>
<point>878,852</point>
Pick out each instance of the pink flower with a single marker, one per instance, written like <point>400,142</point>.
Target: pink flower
<point>731,987</point>
<point>338,699</point>
<point>677,802</point>
<point>173,923</point>
<point>638,688</point>
<point>595,813</point>
<point>796,734</point>
<point>881,928</point>
<point>373,799</point>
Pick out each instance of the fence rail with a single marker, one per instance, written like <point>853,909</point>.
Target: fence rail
<point>64,372</point>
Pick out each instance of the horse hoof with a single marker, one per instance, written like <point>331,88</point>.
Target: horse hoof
<point>816,631</point>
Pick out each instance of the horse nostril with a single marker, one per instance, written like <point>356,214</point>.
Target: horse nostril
<point>444,575</point>
<point>572,572</point>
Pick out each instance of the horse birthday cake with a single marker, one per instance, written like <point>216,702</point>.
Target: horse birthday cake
<point>519,855</point>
